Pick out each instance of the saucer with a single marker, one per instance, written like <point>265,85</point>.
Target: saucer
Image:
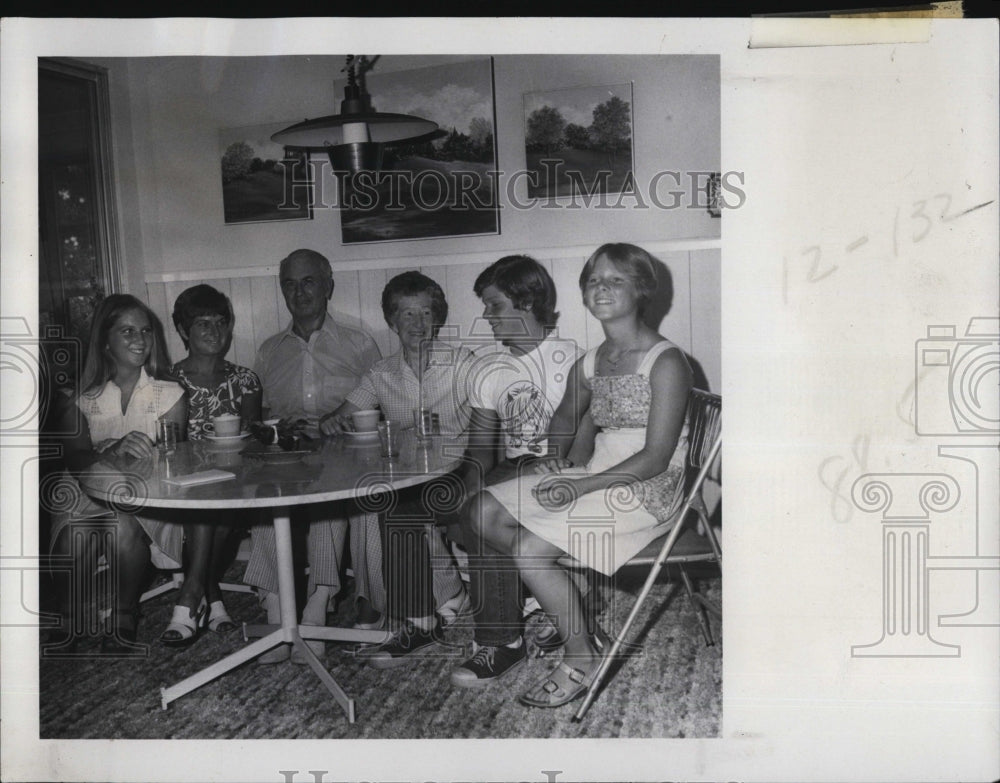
<point>226,442</point>
<point>373,435</point>
<point>226,438</point>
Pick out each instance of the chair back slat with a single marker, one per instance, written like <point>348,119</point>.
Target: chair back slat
<point>704,423</point>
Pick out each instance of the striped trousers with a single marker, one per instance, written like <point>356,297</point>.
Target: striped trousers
<point>368,565</point>
<point>325,546</point>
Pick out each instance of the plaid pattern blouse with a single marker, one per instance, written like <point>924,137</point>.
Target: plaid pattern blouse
<point>395,388</point>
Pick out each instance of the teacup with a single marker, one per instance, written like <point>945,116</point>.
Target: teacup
<point>226,425</point>
<point>365,421</point>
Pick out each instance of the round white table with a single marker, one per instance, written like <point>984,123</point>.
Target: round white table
<point>265,477</point>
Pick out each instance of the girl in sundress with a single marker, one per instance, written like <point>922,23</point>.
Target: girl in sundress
<point>610,489</point>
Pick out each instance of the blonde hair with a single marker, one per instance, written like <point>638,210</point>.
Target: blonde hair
<point>99,367</point>
<point>630,260</point>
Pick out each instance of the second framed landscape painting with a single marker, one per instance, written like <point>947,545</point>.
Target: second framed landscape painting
<point>439,187</point>
<point>579,140</point>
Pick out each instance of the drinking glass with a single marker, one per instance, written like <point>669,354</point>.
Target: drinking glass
<point>388,436</point>
<point>167,433</point>
<point>424,421</point>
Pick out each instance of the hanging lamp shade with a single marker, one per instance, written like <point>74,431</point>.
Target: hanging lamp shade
<point>353,139</point>
<point>379,127</point>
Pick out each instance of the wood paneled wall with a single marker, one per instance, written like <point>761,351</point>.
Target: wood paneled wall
<point>693,320</point>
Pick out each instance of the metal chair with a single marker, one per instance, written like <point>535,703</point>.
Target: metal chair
<point>684,543</point>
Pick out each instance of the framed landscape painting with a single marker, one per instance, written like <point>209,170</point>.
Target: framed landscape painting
<point>260,180</point>
<point>579,141</point>
<point>440,187</point>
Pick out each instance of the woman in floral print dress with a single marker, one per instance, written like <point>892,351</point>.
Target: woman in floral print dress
<point>204,319</point>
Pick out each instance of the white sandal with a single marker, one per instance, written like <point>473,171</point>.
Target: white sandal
<point>219,620</point>
<point>184,625</point>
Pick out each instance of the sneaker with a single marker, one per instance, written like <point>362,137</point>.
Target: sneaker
<point>488,665</point>
<point>404,646</point>
<point>455,608</point>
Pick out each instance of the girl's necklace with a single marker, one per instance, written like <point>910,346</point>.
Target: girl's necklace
<point>613,363</point>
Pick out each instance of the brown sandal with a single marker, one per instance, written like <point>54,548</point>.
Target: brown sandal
<point>556,694</point>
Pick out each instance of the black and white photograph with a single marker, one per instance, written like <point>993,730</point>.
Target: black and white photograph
<point>362,413</point>
<point>515,342</point>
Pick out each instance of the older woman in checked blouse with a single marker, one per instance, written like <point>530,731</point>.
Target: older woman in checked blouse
<point>424,373</point>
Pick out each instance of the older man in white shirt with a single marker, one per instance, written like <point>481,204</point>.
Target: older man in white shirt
<point>307,370</point>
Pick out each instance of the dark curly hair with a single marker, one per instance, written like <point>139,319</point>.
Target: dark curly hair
<point>197,301</point>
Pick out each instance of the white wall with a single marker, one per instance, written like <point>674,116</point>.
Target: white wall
<point>168,111</point>
<point>692,322</point>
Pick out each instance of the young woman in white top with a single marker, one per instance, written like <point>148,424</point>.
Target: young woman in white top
<point>123,392</point>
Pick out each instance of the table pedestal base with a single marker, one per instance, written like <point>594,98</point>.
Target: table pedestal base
<point>289,632</point>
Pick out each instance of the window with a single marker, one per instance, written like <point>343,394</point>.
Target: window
<point>78,247</point>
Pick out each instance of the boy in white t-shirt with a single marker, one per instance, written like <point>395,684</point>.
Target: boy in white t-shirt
<point>513,395</point>
<point>521,389</point>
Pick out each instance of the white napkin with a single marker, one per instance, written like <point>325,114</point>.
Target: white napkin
<point>204,477</point>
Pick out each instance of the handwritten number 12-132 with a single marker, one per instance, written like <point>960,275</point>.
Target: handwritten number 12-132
<point>813,267</point>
